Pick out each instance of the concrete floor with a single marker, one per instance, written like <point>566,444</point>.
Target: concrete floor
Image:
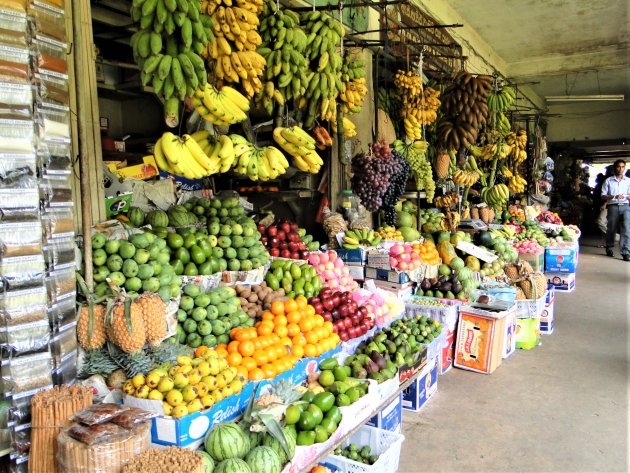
<point>561,407</point>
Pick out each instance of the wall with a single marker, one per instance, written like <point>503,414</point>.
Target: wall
<point>589,121</point>
<point>140,116</point>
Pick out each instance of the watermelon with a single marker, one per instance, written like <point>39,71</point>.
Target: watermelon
<point>270,441</point>
<point>263,460</point>
<point>208,462</point>
<point>233,465</point>
<point>255,439</point>
<point>135,216</point>
<point>157,218</point>
<point>227,440</point>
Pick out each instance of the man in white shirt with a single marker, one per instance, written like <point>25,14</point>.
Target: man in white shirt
<point>616,193</point>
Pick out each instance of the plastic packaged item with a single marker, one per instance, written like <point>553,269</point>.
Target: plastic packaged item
<point>98,413</point>
<point>49,21</point>
<point>60,254</point>
<point>15,93</point>
<point>23,375</point>
<point>16,136</point>
<point>58,223</point>
<point>64,344</point>
<point>62,313</point>
<point>13,25</point>
<point>20,239</point>
<point>98,433</point>
<point>15,112</point>
<point>15,167</point>
<point>53,3</point>
<point>61,285</point>
<point>56,190</point>
<point>22,272</point>
<point>14,64</point>
<point>132,417</point>
<point>50,56</point>
<point>66,370</point>
<point>52,89</point>
<point>21,339</point>
<point>23,307</point>
<point>19,205</point>
<point>14,5</point>
<point>53,123</point>
<point>106,457</point>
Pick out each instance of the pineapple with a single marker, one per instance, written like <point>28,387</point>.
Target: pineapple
<point>526,268</point>
<point>442,164</point>
<point>534,285</point>
<point>91,326</point>
<point>520,295</point>
<point>96,362</point>
<point>154,317</point>
<point>511,271</point>
<point>126,326</point>
<point>131,363</point>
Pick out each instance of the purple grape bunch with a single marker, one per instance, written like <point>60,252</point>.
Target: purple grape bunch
<point>397,184</point>
<point>371,174</point>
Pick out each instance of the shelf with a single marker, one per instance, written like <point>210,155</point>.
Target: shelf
<point>121,93</point>
<point>6,451</point>
<point>321,456</point>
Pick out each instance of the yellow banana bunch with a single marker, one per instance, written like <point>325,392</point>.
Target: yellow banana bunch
<point>521,139</point>
<point>486,153</point>
<point>301,146</point>
<point>517,184</point>
<point>220,148</point>
<point>465,178</point>
<point>349,128</point>
<point>224,107</point>
<point>496,196</point>
<point>504,150</point>
<point>184,157</point>
<point>410,84</point>
<point>352,95</point>
<point>258,164</point>
<point>510,138</point>
<point>506,171</point>
<point>450,221</point>
<point>413,130</point>
<point>423,107</point>
<point>447,201</point>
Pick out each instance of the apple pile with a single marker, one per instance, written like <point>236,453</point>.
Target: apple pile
<point>404,257</point>
<point>286,240</point>
<point>339,307</point>
<point>382,306</point>
<point>529,246</point>
<point>332,271</point>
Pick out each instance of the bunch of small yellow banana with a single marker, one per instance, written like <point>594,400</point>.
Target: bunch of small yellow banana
<point>423,106</point>
<point>465,178</point>
<point>224,107</point>
<point>471,165</point>
<point>349,128</point>
<point>496,196</point>
<point>259,164</point>
<point>301,146</point>
<point>236,23</point>
<point>184,157</point>
<point>447,201</point>
<point>517,184</point>
<point>221,147</point>
<point>413,128</point>
<point>354,89</point>
<point>409,83</point>
<point>518,152</point>
<point>450,221</point>
<point>491,151</point>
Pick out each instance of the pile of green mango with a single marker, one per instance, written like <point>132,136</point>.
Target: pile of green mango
<point>337,380</point>
<point>295,279</point>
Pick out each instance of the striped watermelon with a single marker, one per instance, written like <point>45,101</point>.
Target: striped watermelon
<point>233,465</point>
<point>208,462</point>
<point>255,439</point>
<point>227,440</point>
<point>263,460</point>
<point>269,441</point>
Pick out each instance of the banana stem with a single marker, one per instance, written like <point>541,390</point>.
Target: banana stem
<point>465,196</point>
<point>493,172</point>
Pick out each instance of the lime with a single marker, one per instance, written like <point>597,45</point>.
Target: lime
<point>307,421</point>
<point>306,438</point>
<point>292,415</point>
<point>343,400</point>
<point>324,401</point>
<point>308,396</point>
<point>326,378</point>
<point>321,434</point>
<point>335,414</point>
<point>328,424</point>
<point>316,412</point>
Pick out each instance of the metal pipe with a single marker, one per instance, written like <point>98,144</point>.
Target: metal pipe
<point>350,5</point>
<point>418,27</point>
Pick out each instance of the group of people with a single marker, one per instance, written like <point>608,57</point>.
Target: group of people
<point>615,194</point>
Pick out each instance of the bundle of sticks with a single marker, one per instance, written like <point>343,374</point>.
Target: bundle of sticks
<point>50,411</point>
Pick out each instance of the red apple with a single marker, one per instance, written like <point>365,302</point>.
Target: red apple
<point>335,329</point>
<point>328,304</point>
<point>305,254</point>
<point>343,335</point>
<point>352,332</point>
<point>261,228</point>
<point>355,319</point>
<point>264,240</point>
<point>283,246</point>
<point>285,254</point>
<point>286,227</point>
<point>344,310</point>
<point>295,255</point>
<point>274,252</point>
<point>335,314</point>
<point>274,242</point>
<point>327,317</point>
<point>301,246</point>
<point>325,293</point>
<point>336,299</point>
<point>347,322</point>
<point>319,308</point>
<point>363,311</point>
<point>272,231</point>
<point>282,236</point>
<point>293,246</point>
<point>312,300</point>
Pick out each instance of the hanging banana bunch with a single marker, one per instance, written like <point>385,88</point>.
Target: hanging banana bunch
<point>354,88</point>
<point>301,146</point>
<point>224,107</point>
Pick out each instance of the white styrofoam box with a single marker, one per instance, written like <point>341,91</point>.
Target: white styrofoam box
<point>530,308</point>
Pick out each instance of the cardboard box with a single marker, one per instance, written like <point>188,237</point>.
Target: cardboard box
<point>352,256</point>
<point>530,308</point>
<point>422,389</point>
<point>480,339</point>
<point>184,184</point>
<point>402,291</point>
<point>147,170</point>
<point>119,204</point>
<point>561,282</point>
<point>527,333</point>
<point>357,271</point>
<point>537,262</point>
<point>390,417</point>
<point>405,371</point>
<point>509,342</point>
<point>378,259</point>
<point>561,260</point>
<point>447,352</point>
<point>387,275</point>
<point>546,318</point>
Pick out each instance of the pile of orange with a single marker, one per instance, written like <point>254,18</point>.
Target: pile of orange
<point>286,333</point>
<point>428,252</point>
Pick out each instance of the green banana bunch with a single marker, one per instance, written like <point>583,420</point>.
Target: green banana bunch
<point>283,45</point>
<point>353,239</point>
<point>167,47</point>
<point>495,196</point>
<point>501,101</point>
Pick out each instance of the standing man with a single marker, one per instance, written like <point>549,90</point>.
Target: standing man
<point>616,193</point>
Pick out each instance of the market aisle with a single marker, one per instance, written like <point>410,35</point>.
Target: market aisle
<point>558,408</point>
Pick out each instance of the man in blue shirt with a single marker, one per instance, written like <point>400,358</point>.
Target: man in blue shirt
<point>616,193</point>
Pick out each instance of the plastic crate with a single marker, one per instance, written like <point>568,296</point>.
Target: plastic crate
<point>385,444</point>
<point>530,308</point>
<point>447,316</point>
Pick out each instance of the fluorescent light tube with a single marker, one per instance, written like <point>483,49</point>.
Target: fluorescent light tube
<point>584,98</point>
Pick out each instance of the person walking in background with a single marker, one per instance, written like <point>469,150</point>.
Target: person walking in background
<point>616,193</point>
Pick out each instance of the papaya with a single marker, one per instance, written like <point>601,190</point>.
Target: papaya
<point>446,251</point>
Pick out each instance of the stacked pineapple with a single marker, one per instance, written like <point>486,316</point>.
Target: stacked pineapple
<point>189,385</point>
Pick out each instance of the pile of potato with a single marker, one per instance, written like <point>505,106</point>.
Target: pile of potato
<point>258,298</point>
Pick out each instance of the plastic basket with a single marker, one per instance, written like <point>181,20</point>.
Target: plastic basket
<point>530,308</point>
<point>447,316</point>
<point>383,443</point>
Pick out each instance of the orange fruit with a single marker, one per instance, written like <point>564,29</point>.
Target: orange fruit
<point>260,357</point>
<point>318,320</point>
<point>233,347</point>
<point>201,350</point>
<point>248,363</point>
<point>286,341</point>
<point>234,359</point>
<point>269,370</point>
<point>306,324</point>
<point>266,315</point>
<point>301,301</point>
<point>290,305</point>
<point>281,350</point>
<point>247,348</point>
<point>234,332</point>
<point>281,330</point>
<point>222,352</point>
<point>278,307</point>
<point>297,351</point>
<point>311,337</point>
<point>294,317</point>
<point>274,338</point>
<point>309,310</point>
<point>310,350</point>
<point>299,340</point>
<point>265,327</point>
<point>293,330</point>
<point>280,320</point>
<point>329,327</point>
<point>256,374</point>
<point>258,343</point>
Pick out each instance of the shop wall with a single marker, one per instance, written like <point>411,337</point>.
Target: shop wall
<point>141,116</point>
<point>589,121</point>
<point>112,110</point>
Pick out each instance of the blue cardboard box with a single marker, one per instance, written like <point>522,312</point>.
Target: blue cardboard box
<point>183,183</point>
<point>422,389</point>
<point>390,417</point>
<point>561,260</point>
<point>358,255</point>
<point>561,282</point>
<point>394,276</point>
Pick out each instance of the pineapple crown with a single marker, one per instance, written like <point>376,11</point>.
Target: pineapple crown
<point>97,361</point>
